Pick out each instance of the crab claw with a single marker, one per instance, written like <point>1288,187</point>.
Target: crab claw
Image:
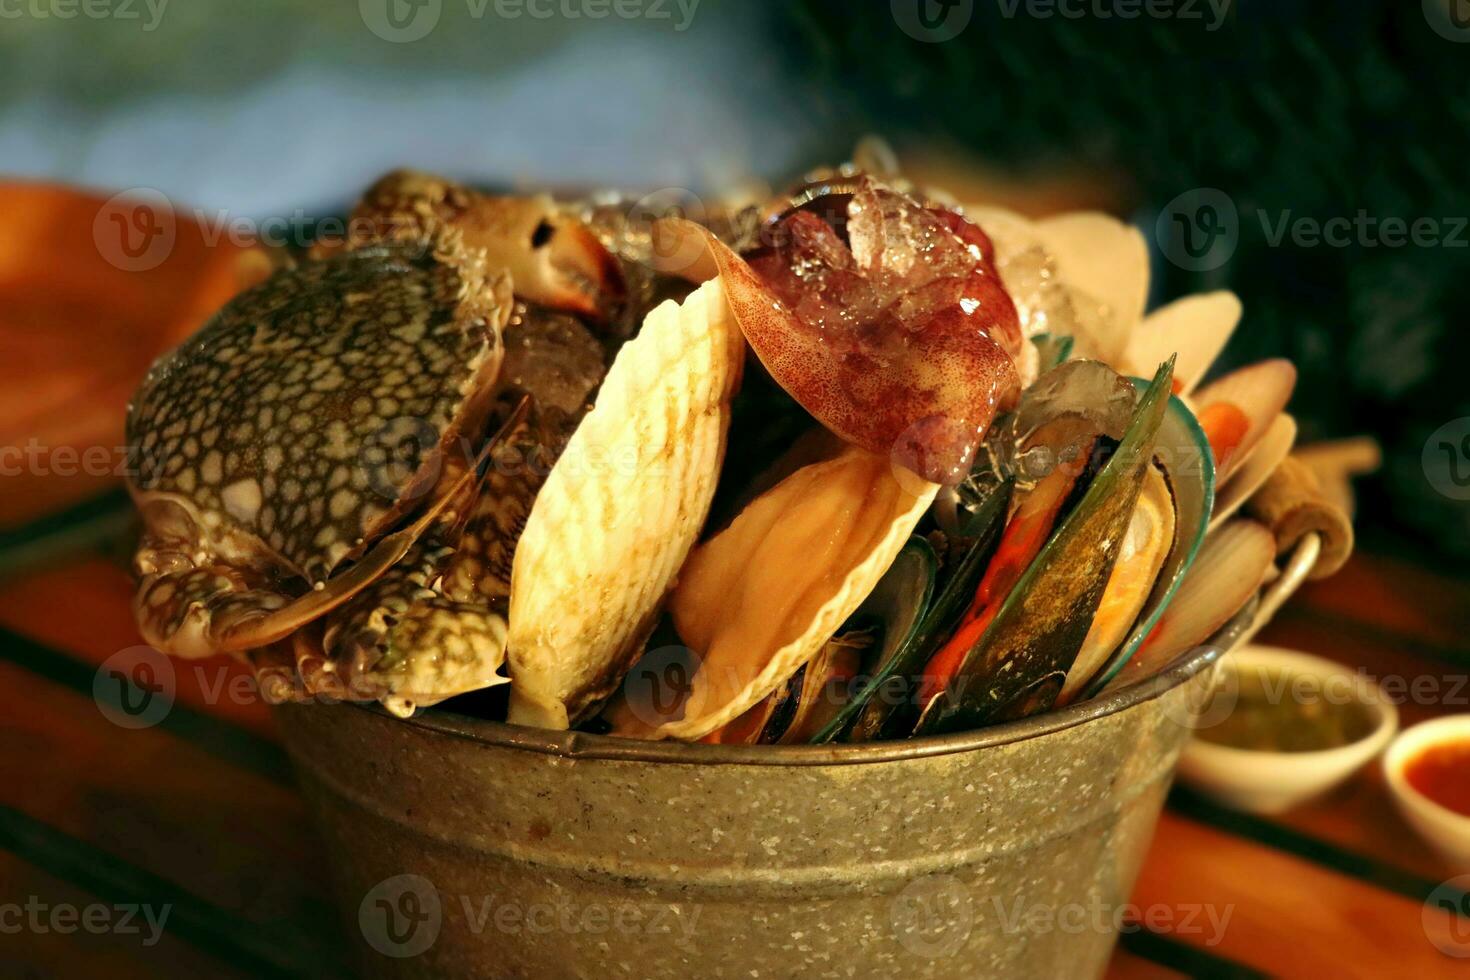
<point>554,260</point>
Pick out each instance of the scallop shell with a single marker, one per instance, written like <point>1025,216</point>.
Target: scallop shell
<point>1081,274</point>
<point>621,509</point>
<point>890,509</point>
<point>1194,329</point>
<point>1105,261</point>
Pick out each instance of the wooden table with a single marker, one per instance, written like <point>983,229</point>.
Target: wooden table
<point>199,812</point>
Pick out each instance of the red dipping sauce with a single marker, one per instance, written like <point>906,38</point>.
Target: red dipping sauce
<point>1442,773</point>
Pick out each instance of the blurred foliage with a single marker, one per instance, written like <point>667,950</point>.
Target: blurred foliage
<point>208,47</point>
<point>1296,110</point>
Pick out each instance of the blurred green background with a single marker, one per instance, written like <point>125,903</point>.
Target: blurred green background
<point>1242,125</point>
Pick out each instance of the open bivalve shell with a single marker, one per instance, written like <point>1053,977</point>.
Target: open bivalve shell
<point>620,510</point>
<point>842,521</point>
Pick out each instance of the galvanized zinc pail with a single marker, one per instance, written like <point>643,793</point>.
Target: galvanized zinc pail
<point>470,848</point>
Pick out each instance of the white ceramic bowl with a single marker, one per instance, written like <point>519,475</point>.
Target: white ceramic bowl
<point>1270,782</point>
<point>1447,831</point>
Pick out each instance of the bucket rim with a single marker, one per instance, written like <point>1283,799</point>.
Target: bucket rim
<point>587,746</point>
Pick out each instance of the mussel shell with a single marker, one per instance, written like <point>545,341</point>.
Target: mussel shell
<point>1184,453</point>
<point>1043,621</point>
<point>1146,545</point>
<point>1227,575</point>
<point>898,606</point>
<point>781,705</point>
<point>825,679</point>
<point>1019,449</point>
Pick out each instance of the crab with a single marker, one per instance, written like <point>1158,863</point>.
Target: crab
<point>312,468</point>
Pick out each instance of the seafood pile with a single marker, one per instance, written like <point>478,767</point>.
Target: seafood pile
<point>849,464</point>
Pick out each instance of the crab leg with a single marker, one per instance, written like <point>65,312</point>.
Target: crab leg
<point>403,642</point>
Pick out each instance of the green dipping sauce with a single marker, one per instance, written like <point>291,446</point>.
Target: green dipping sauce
<point>1281,711</point>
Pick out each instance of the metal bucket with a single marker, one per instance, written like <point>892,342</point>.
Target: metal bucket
<point>476,849</point>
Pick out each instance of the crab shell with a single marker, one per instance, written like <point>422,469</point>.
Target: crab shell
<point>316,410</point>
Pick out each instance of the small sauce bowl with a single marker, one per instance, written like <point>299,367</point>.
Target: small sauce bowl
<point>1283,727</point>
<point>1418,767</point>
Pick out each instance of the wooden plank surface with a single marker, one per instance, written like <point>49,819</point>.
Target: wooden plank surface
<point>1287,916</point>
<point>199,811</point>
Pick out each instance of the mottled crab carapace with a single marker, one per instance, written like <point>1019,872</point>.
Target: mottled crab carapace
<point>312,466</point>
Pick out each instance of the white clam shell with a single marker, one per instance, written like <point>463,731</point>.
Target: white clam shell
<point>621,509</point>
